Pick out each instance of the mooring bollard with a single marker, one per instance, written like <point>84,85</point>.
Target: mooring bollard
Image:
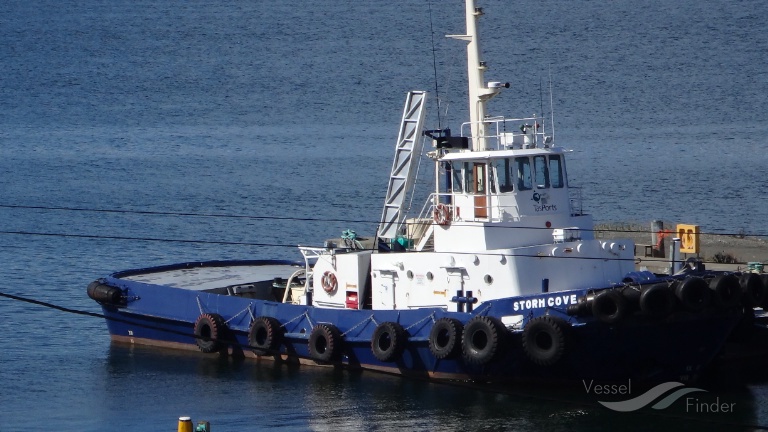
<point>674,254</point>
<point>657,238</point>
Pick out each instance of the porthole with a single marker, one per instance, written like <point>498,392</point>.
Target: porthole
<point>430,276</point>
<point>488,279</point>
<point>409,274</point>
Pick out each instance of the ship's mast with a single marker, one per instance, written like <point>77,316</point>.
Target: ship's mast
<point>479,92</point>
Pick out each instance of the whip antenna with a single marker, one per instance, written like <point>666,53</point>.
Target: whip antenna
<point>551,105</point>
<point>434,64</point>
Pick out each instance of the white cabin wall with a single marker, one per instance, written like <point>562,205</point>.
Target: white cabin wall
<point>351,271</point>
<point>402,279</point>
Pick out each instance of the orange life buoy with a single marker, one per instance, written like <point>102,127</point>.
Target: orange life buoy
<point>329,282</point>
<point>442,214</point>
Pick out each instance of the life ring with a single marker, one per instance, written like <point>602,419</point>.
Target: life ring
<point>657,301</point>
<point>209,330</point>
<point>609,306</point>
<point>727,290</point>
<point>445,338</point>
<point>545,340</point>
<point>329,282</point>
<point>694,294</point>
<point>482,339</point>
<point>388,341</point>
<point>442,214</point>
<point>324,342</point>
<point>752,290</point>
<point>265,335</point>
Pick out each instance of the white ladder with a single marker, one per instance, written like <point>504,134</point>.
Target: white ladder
<point>409,143</point>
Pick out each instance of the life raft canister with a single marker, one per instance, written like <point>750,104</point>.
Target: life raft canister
<point>482,339</point>
<point>545,340</point>
<point>329,282</point>
<point>210,328</point>
<point>442,214</point>
<point>657,300</point>
<point>265,335</point>
<point>445,338</point>
<point>325,342</point>
<point>388,341</point>
<point>694,294</point>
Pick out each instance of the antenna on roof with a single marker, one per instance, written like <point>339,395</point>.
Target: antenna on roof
<point>551,105</point>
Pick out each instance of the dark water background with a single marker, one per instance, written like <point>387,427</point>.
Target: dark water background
<point>290,109</point>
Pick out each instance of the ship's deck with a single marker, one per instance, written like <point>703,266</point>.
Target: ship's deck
<point>202,278</point>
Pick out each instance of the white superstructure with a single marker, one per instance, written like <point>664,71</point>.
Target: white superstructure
<point>502,221</point>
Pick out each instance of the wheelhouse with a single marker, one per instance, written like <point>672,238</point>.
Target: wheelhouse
<point>505,185</point>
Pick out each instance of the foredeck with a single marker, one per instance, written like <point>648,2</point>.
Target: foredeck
<point>203,278</point>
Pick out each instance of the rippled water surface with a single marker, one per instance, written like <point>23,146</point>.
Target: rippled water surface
<point>290,110</point>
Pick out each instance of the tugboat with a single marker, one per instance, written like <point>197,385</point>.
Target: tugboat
<point>498,278</point>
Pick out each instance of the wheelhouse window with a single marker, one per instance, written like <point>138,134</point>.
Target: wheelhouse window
<point>523,169</point>
<point>504,175</point>
<point>556,171</point>
<point>457,176</point>
<point>478,174</point>
<point>541,172</point>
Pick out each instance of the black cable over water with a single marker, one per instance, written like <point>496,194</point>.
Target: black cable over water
<point>155,239</point>
<point>636,260</point>
<point>218,242</point>
<point>464,384</point>
<point>161,213</point>
<point>115,319</point>
<point>315,219</point>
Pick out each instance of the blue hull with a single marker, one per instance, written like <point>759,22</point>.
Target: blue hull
<point>677,347</point>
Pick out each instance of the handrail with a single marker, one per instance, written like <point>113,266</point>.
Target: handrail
<point>575,200</point>
<point>505,137</point>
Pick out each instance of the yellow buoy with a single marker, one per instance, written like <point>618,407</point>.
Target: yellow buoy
<point>185,424</point>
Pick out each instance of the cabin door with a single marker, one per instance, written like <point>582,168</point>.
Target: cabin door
<point>384,290</point>
<point>479,189</point>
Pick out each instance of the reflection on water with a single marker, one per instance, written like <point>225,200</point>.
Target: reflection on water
<point>235,394</point>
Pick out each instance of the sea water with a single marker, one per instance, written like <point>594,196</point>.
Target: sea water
<point>151,132</point>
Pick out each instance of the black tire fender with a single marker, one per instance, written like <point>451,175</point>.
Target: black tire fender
<point>545,340</point>
<point>752,290</point>
<point>265,335</point>
<point>482,339</point>
<point>388,341</point>
<point>764,304</point>
<point>210,329</point>
<point>609,306</point>
<point>445,338</point>
<point>727,290</point>
<point>325,342</point>
<point>694,294</point>
<point>657,300</point>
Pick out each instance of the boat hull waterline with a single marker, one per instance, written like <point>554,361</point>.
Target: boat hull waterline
<point>675,347</point>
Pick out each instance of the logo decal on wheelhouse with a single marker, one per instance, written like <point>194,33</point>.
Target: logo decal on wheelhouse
<point>542,201</point>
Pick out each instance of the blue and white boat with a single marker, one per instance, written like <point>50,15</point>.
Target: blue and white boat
<point>498,278</point>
